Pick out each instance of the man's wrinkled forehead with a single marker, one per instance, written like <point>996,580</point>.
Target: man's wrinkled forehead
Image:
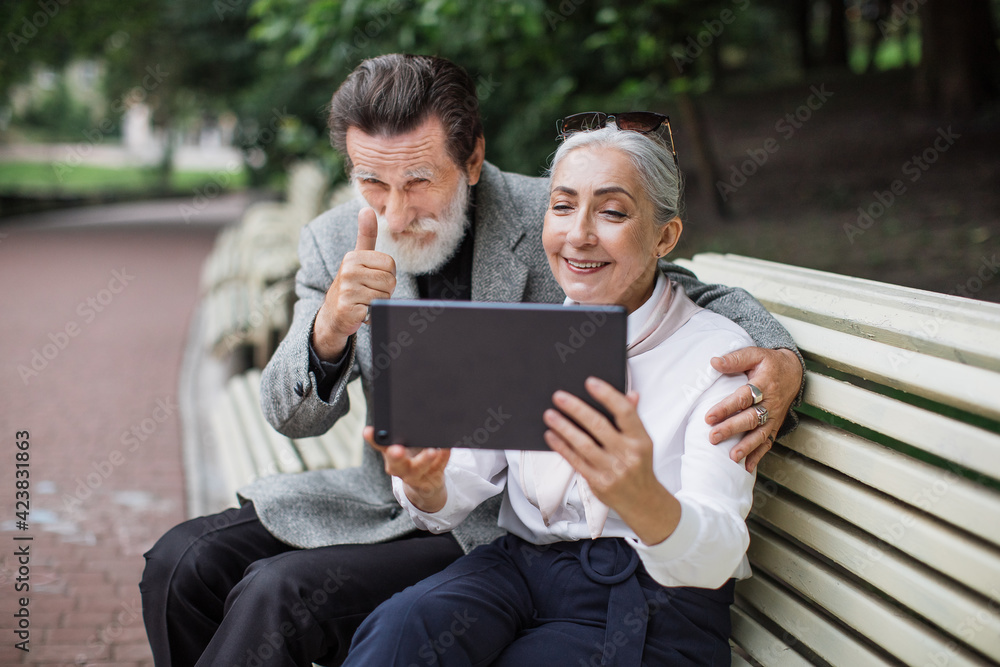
<point>419,172</point>
<point>420,153</point>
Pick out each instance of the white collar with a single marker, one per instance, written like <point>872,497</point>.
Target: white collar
<point>638,318</point>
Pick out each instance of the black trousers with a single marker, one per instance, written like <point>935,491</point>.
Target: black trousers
<point>221,590</point>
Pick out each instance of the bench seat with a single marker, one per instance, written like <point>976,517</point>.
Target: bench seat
<point>251,449</point>
<point>247,280</point>
<point>875,530</point>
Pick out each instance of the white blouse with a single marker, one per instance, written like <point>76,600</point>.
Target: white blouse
<point>677,386</point>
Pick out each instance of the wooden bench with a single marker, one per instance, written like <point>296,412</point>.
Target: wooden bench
<point>250,448</point>
<point>875,531</point>
<point>248,285</point>
<point>248,279</point>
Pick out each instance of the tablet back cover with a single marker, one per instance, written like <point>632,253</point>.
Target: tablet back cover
<point>467,374</point>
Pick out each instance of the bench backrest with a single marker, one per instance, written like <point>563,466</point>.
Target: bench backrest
<point>875,532</point>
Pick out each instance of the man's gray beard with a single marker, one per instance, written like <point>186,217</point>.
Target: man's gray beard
<point>418,258</point>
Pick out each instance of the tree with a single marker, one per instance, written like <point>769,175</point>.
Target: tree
<point>54,33</point>
<point>802,20</point>
<point>319,42</point>
<point>534,61</point>
<point>960,64</point>
<point>835,50</point>
<point>187,60</point>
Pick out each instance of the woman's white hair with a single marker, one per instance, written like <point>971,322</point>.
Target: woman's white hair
<point>652,160</point>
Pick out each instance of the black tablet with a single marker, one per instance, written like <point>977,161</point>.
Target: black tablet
<point>470,374</point>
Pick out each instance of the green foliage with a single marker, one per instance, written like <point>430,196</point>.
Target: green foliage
<point>52,33</point>
<point>186,59</point>
<point>534,61</point>
<point>275,63</point>
<point>57,116</point>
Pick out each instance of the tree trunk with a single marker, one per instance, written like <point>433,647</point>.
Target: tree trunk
<point>959,59</point>
<point>693,119</point>
<point>803,28</point>
<point>835,53</point>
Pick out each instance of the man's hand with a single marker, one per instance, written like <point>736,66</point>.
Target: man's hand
<point>422,471</point>
<point>778,375</point>
<point>364,275</point>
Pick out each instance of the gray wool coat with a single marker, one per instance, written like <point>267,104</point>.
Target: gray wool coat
<point>356,505</point>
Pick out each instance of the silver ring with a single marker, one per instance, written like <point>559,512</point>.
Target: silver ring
<point>757,394</point>
<point>368,316</point>
<point>761,415</point>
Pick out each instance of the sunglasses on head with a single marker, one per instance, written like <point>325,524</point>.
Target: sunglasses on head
<point>645,122</point>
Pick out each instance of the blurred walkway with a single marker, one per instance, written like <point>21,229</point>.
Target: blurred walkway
<point>93,323</point>
<point>181,210</point>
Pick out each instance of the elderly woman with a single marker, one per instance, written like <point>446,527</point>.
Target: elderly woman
<point>624,541</point>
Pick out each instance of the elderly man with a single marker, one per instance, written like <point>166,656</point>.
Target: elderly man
<point>286,578</point>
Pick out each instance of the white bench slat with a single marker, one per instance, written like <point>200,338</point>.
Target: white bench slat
<point>943,603</point>
<point>760,644</point>
<point>343,442</point>
<point>736,660</point>
<point>246,408</point>
<point>945,548</point>
<point>313,453</point>
<point>212,318</point>
<point>236,463</point>
<point>969,446</point>
<point>341,456</point>
<point>825,279</point>
<point>216,263</point>
<point>285,453</point>
<point>938,492</point>
<point>804,625</point>
<point>941,325</point>
<point>910,297</point>
<point>902,636</point>
<point>306,187</point>
<point>338,451</point>
<point>228,317</point>
<point>340,447</point>
<point>264,214</point>
<point>343,447</point>
<point>973,389</point>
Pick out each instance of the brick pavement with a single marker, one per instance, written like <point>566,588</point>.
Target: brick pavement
<point>107,311</point>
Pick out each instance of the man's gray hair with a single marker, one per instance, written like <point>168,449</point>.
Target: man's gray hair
<point>394,93</point>
<point>652,160</point>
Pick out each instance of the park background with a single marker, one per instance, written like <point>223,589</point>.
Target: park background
<point>855,136</point>
<point>774,170</point>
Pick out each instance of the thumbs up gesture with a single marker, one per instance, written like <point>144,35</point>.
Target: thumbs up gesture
<point>364,275</point>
